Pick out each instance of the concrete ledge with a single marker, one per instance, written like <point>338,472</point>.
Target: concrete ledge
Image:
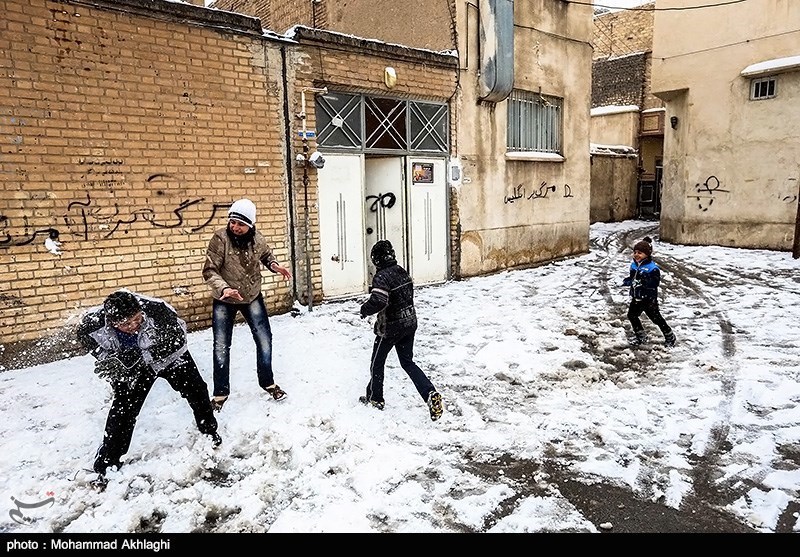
<point>533,156</point>
<point>329,38</point>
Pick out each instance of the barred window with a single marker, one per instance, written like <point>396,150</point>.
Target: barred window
<point>534,122</point>
<point>378,124</point>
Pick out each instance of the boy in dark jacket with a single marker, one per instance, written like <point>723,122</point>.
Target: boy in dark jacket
<point>392,298</point>
<point>643,281</point>
<point>135,340</point>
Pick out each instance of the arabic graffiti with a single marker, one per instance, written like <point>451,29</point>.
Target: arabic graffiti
<point>17,515</point>
<point>51,233</point>
<point>520,192</point>
<point>102,173</point>
<point>706,191</point>
<point>385,200</point>
<point>83,216</point>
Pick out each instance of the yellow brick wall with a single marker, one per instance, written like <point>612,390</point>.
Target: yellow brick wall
<point>415,23</point>
<point>339,68</point>
<point>123,133</point>
<point>279,15</point>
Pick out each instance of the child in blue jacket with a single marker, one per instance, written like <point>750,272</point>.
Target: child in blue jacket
<point>643,281</point>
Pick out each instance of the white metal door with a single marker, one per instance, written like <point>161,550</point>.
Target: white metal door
<point>384,206</point>
<point>341,225</point>
<point>427,196</point>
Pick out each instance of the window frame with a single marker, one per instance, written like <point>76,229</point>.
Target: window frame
<point>769,81</point>
<point>528,139</point>
<point>358,122</point>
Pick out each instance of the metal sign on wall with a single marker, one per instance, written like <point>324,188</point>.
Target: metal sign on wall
<point>422,172</point>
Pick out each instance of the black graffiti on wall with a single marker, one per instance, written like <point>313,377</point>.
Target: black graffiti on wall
<point>706,192</point>
<point>541,192</point>
<point>84,216</point>
<point>385,200</point>
<point>791,185</point>
<point>29,235</point>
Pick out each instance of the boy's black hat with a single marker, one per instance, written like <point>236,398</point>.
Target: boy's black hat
<point>644,245</point>
<point>120,305</point>
<point>382,252</point>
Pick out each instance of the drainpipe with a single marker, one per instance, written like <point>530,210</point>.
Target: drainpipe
<point>306,217</point>
<point>796,244</point>
<point>289,169</point>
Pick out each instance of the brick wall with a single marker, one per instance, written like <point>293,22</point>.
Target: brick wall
<point>417,23</point>
<point>345,64</point>
<point>119,136</point>
<point>618,81</point>
<point>256,8</point>
<point>618,35</point>
<point>623,32</point>
<point>279,15</point>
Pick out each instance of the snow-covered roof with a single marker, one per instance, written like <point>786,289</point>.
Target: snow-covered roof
<point>600,149</point>
<point>772,66</point>
<point>614,109</point>
<point>297,31</point>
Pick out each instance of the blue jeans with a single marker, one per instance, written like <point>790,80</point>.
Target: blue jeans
<point>222,319</point>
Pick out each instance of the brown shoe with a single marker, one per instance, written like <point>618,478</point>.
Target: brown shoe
<point>217,402</point>
<point>276,392</point>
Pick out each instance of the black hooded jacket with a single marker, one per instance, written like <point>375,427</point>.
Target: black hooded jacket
<point>392,298</point>
<point>161,341</point>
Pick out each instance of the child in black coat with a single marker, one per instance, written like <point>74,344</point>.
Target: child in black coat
<point>392,299</point>
<point>643,281</point>
<point>135,340</point>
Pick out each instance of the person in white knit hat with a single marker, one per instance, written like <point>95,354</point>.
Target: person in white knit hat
<point>232,270</point>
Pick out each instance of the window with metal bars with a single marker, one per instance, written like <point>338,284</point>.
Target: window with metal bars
<point>379,124</point>
<point>534,122</point>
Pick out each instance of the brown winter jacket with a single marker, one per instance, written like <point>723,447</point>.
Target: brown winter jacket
<point>229,267</point>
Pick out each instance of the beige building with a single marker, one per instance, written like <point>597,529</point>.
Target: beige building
<point>731,170</point>
<point>526,190</point>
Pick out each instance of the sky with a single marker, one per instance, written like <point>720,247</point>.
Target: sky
<point>534,367</point>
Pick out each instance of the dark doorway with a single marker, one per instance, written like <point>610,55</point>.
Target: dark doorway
<point>649,201</point>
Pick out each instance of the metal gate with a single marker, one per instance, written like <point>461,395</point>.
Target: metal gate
<point>400,178</point>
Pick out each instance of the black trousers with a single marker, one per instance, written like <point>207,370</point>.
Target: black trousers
<point>405,353</point>
<point>650,309</point>
<point>183,377</point>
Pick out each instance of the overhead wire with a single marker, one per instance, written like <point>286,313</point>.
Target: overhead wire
<point>653,8</point>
